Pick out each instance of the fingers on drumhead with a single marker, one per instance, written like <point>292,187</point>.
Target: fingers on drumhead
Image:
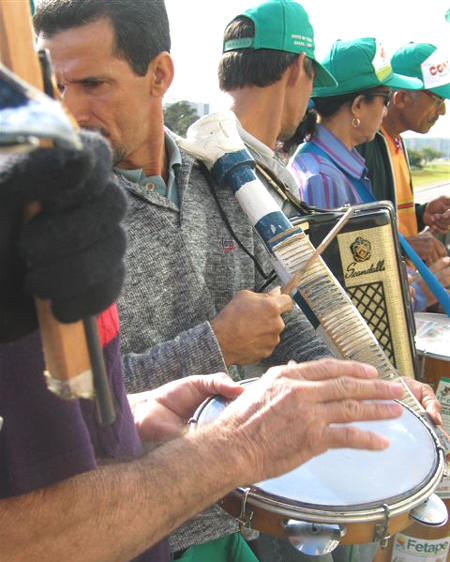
<point>355,438</point>
<point>348,411</point>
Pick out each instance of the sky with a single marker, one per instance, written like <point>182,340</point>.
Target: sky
<point>197,27</point>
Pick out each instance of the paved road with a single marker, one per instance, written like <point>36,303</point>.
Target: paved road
<point>425,194</point>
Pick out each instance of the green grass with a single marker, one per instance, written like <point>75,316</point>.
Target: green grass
<point>431,173</point>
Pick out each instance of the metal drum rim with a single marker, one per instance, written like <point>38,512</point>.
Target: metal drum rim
<point>339,514</point>
<point>432,355</point>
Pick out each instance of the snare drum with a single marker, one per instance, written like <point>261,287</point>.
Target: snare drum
<point>433,346</point>
<point>353,496</point>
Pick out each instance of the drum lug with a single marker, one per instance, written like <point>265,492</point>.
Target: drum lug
<point>432,513</point>
<point>313,539</point>
<point>381,533</point>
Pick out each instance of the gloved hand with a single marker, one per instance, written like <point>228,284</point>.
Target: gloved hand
<point>72,251</point>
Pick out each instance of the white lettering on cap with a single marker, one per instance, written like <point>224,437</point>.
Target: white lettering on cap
<point>435,70</point>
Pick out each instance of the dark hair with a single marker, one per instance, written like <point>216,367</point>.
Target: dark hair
<point>252,67</point>
<point>305,130</point>
<point>141,27</point>
<point>325,107</point>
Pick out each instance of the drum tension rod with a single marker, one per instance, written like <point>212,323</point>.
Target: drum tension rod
<point>245,518</point>
<point>381,529</point>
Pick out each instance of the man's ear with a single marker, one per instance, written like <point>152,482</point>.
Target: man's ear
<point>401,98</point>
<point>296,70</point>
<point>160,72</point>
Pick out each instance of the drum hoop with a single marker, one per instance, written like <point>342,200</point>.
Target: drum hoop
<point>342,514</point>
<point>423,353</point>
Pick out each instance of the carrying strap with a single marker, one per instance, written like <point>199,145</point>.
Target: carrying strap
<point>435,286</point>
<point>213,189</point>
<point>366,196</point>
<point>285,193</point>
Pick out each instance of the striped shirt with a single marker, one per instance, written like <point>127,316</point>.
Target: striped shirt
<point>323,183</point>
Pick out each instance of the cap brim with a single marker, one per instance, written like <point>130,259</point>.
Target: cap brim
<point>442,91</point>
<point>400,82</point>
<point>323,78</point>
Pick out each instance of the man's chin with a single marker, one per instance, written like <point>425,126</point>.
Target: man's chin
<point>423,130</point>
<point>118,153</point>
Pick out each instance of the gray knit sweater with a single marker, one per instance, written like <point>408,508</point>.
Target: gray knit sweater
<point>183,267</point>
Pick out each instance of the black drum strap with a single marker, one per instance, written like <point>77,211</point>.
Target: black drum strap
<point>285,193</point>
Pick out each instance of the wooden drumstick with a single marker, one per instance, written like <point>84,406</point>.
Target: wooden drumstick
<point>293,282</point>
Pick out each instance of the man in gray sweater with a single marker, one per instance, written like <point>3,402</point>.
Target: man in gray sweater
<point>192,301</point>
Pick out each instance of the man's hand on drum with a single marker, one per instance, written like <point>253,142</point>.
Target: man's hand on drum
<point>297,411</point>
<point>162,413</point>
<point>426,396</point>
<point>248,328</point>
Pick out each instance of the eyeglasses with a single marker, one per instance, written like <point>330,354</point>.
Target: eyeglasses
<point>437,99</point>
<point>385,95</point>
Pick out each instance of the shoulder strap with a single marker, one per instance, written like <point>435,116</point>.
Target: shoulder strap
<point>284,192</point>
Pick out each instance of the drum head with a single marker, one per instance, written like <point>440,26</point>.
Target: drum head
<point>341,478</point>
<point>433,335</point>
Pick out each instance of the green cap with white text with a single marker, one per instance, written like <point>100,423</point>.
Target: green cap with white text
<point>426,62</point>
<point>282,25</point>
<point>359,65</point>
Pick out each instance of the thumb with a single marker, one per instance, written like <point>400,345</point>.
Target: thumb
<point>220,383</point>
<point>275,292</point>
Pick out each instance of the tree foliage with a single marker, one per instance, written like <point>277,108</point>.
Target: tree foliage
<point>415,158</point>
<point>178,116</point>
<point>419,158</point>
<point>429,154</point>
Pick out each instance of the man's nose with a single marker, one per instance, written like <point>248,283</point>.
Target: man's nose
<point>77,104</point>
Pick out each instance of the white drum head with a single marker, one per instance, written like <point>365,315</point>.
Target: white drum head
<point>349,477</point>
<point>433,335</point>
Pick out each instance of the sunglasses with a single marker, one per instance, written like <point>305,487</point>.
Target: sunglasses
<point>437,99</point>
<point>385,95</point>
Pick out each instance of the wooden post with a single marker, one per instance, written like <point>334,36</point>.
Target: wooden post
<point>65,348</point>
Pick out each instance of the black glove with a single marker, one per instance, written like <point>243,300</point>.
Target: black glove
<point>72,251</point>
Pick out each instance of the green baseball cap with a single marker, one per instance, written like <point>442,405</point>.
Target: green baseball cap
<point>361,64</point>
<point>282,25</point>
<point>426,62</point>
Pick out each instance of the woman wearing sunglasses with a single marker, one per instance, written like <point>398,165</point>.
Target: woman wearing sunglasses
<point>329,171</point>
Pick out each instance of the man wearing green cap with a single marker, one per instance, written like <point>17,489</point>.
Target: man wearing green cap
<point>386,155</point>
<point>269,68</point>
